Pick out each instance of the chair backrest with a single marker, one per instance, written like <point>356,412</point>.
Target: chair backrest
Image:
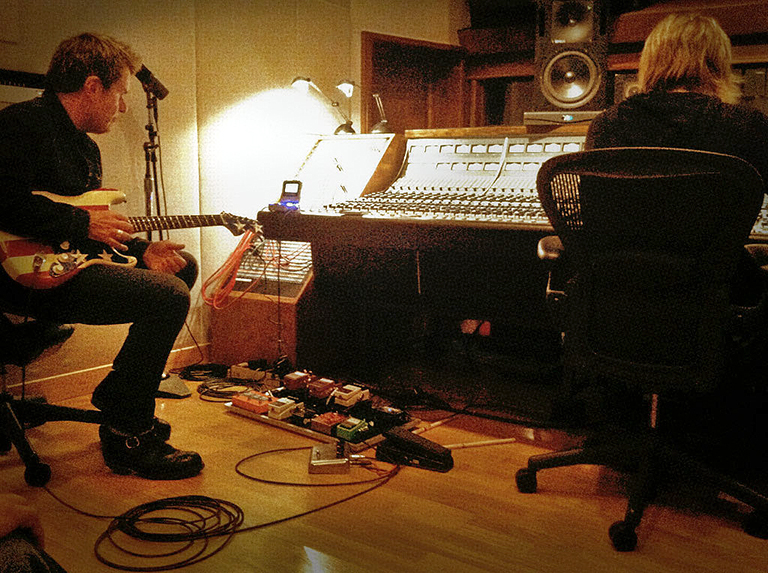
<point>653,236</point>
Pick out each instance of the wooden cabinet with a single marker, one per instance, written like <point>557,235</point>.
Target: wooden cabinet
<point>422,84</point>
<point>489,79</point>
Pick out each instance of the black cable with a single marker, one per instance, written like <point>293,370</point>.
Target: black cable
<point>75,509</point>
<point>163,521</point>
<point>197,345</point>
<point>219,390</point>
<point>193,521</point>
<point>387,476</point>
<point>201,372</point>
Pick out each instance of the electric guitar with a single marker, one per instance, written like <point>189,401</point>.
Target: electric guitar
<point>39,266</point>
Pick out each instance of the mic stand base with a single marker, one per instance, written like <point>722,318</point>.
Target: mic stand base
<point>171,386</point>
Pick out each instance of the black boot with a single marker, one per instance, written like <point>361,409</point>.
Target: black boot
<point>146,455</point>
<point>160,426</point>
<point>162,429</point>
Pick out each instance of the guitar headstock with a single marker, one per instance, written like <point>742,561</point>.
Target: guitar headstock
<point>239,225</point>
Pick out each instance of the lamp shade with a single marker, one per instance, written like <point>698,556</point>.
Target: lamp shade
<point>347,87</point>
<point>304,83</point>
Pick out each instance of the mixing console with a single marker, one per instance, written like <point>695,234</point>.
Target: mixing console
<point>466,182</point>
<point>490,180</point>
<point>447,233</point>
<point>446,188</point>
<point>760,228</point>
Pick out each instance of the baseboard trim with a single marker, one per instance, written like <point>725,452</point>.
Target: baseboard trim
<point>82,382</point>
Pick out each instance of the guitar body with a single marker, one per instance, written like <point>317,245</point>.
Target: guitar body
<point>39,266</point>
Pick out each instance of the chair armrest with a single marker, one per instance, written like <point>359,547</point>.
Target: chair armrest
<point>749,321</point>
<point>551,252</point>
<point>550,249</point>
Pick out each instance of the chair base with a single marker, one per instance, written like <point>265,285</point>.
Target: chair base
<point>650,456</point>
<point>15,413</point>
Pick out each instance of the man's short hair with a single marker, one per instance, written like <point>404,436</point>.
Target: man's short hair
<point>89,55</point>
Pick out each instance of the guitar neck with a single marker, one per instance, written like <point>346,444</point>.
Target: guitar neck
<point>175,222</point>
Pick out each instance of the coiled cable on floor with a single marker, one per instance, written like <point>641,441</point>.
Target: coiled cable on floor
<point>193,528</point>
<point>190,521</point>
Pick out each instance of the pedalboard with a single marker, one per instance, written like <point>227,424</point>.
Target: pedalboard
<point>322,408</point>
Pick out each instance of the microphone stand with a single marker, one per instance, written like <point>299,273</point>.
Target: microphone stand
<point>151,188</point>
<point>170,386</point>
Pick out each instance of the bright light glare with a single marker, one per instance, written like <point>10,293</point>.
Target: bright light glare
<point>317,562</point>
<point>347,88</point>
<point>300,84</point>
<point>251,148</point>
<point>575,91</point>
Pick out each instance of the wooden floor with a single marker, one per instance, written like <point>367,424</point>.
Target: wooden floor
<point>470,519</point>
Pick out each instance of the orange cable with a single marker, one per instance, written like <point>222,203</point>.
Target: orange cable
<point>222,281</point>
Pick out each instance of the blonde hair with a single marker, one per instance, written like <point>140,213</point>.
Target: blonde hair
<point>690,52</point>
<point>89,55</point>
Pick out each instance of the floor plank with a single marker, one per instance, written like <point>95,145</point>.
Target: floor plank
<point>471,519</point>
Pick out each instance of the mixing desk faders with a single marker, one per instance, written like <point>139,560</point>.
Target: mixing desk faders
<point>487,182</point>
<point>482,180</point>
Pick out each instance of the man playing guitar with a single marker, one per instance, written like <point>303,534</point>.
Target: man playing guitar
<point>44,146</point>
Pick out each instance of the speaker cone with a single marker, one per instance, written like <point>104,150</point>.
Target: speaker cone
<point>570,79</point>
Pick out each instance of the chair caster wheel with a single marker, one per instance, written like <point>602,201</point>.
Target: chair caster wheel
<point>526,480</point>
<point>756,524</point>
<point>622,536</point>
<point>37,474</point>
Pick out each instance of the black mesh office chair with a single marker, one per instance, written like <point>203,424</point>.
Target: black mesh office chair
<point>21,344</point>
<point>649,240</point>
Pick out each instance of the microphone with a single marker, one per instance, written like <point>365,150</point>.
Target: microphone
<point>151,83</point>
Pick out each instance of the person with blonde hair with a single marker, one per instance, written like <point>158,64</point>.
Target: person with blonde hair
<point>688,52</point>
<point>687,99</point>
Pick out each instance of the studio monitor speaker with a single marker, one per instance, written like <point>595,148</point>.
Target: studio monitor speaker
<point>570,58</point>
